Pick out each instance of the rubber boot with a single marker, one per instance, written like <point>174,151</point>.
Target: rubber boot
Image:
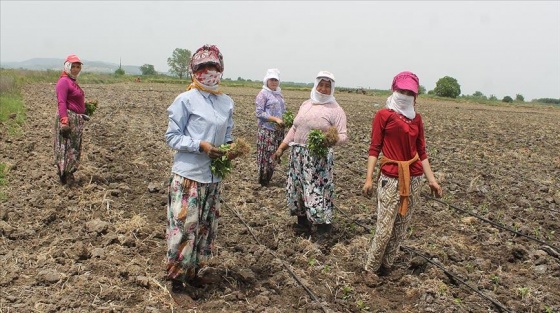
<point>303,224</point>
<point>324,229</point>
<point>302,221</point>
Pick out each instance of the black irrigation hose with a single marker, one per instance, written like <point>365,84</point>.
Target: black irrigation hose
<point>533,207</point>
<point>555,250</point>
<point>546,209</point>
<point>311,294</point>
<point>494,223</point>
<point>453,277</point>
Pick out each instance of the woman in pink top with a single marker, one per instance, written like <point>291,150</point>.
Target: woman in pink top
<point>310,185</point>
<point>397,133</point>
<point>69,122</point>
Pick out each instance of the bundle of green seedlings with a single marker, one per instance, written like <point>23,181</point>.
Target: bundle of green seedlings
<point>91,106</point>
<point>222,166</point>
<point>288,118</point>
<point>318,142</point>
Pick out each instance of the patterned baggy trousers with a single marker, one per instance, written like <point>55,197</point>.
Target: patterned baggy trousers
<point>391,227</point>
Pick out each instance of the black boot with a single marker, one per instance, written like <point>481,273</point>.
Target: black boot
<point>63,178</point>
<point>303,224</point>
<point>324,229</point>
<point>323,233</point>
<point>303,221</point>
<point>384,270</point>
<point>177,286</point>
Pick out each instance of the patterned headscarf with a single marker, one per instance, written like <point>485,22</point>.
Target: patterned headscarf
<point>207,54</point>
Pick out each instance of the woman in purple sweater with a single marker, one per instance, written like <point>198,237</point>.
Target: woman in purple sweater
<point>310,186</point>
<point>269,108</point>
<point>69,122</point>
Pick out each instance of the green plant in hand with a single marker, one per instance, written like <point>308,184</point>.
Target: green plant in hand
<point>222,166</point>
<point>316,143</point>
<point>91,106</point>
<point>288,118</point>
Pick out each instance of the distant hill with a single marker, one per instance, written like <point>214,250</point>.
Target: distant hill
<point>43,64</point>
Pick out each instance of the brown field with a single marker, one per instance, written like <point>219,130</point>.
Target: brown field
<point>100,246</point>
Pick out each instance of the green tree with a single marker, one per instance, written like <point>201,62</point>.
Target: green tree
<point>507,99</point>
<point>447,87</point>
<point>147,69</point>
<point>519,97</point>
<point>119,72</point>
<point>421,90</point>
<point>493,97</point>
<point>179,62</point>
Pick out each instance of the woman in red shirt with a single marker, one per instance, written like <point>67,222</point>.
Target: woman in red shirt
<point>398,134</point>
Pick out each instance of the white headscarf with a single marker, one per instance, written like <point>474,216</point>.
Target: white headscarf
<point>68,69</point>
<point>318,97</point>
<point>272,73</point>
<point>402,104</point>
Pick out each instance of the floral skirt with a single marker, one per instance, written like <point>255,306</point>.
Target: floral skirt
<point>310,186</point>
<point>193,212</point>
<point>67,151</point>
<point>267,143</point>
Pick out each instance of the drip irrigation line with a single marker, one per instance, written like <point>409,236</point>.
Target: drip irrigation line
<point>493,223</point>
<point>453,277</point>
<point>533,207</point>
<point>311,294</point>
<point>546,209</point>
<point>375,173</point>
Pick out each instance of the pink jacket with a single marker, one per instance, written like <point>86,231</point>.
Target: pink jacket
<point>317,116</point>
<point>70,97</point>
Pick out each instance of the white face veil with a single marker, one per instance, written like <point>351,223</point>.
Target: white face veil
<point>402,104</point>
<point>318,97</point>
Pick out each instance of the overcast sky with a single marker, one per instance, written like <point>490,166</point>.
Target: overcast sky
<point>496,47</point>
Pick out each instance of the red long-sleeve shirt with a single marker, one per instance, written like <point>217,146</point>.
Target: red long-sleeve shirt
<point>399,139</point>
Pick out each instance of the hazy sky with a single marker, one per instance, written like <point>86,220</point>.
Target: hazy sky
<point>496,47</point>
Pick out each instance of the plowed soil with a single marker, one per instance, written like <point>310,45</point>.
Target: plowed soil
<point>99,246</point>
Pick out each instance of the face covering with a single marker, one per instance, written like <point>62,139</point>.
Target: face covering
<point>320,98</point>
<point>402,104</point>
<point>208,79</point>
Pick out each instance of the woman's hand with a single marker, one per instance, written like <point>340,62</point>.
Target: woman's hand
<point>367,190</point>
<point>65,129</point>
<point>436,189</point>
<point>277,156</point>
<point>279,122</point>
<point>232,154</point>
<point>210,150</point>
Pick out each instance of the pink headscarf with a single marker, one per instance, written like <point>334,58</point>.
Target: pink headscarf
<point>406,81</point>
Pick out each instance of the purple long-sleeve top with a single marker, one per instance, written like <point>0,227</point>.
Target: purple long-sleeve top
<point>317,116</point>
<point>268,103</point>
<point>70,97</point>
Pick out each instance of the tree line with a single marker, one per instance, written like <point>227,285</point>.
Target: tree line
<point>447,87</point>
